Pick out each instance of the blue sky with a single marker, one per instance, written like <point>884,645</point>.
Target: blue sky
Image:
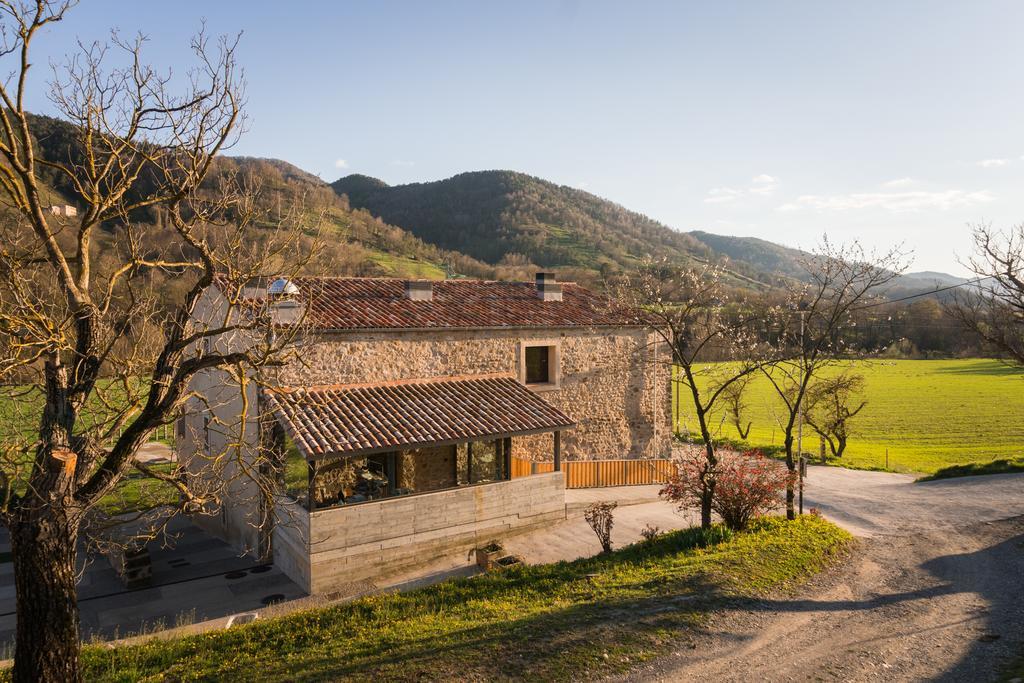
<point>881,121</point>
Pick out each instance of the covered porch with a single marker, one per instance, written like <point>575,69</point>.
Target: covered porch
<point>354,444</point>
<point>401,474</point>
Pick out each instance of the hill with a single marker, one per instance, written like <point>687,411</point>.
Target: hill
<point>766,257</point>
<point>489,224</point>
<point>359,243</point>
<point>755,254</point>
<point>509,217</point>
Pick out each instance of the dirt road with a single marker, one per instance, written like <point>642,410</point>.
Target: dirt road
<point>934,591</point>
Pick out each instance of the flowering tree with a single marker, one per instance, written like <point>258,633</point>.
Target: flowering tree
<point>694,313</point>
<point>813,327</point>
<point>747,485</point>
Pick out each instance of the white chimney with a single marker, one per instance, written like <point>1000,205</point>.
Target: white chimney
<point>419,290</point>
<point>547,288</point>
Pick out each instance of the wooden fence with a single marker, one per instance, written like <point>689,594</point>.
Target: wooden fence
<point>581,474</point>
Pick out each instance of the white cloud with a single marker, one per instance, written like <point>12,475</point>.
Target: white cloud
<point>993,163</point>
<point>400,162</point>
<point>340,163</point>
<point>890,201</point>
<point>582,185</point>
<point>764,190</point>
<point>762,185</point>
<point>900,182</point>
<point>721,195</point>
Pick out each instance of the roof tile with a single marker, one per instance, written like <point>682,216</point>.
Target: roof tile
<point>360,418</point>
<point>341,303</point>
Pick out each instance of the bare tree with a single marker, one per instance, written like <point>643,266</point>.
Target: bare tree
<point>994,309</point>
<point>735,401</point>
<point>691,311</point>
<point>812,325</point>
<point>829,408</point>
<point>601,518</point>
<point>95,355</point>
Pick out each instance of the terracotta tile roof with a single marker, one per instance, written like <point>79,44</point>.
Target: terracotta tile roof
<point>363,418</point>
<point>378,303</point>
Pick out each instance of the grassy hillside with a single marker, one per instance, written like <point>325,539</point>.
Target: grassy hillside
<point>566,621</point>
<point>360,243</point>
<point>504,215</point>
<point>927,414</point>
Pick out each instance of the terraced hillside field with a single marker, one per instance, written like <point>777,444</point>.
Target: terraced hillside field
<point>927,414</point>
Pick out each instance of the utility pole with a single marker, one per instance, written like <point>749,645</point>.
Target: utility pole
<point>800,425</point>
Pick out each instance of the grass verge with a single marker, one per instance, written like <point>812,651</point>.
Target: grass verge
<point>1000,466</point>
<point>1013,673</point>
<point>558,621</point>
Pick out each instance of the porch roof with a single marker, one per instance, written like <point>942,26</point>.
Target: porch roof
<point>359,419</point>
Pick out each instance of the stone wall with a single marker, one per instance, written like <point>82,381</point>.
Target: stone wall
<point>614,383</point>
<point>427,469</point>
<point>373,539</point>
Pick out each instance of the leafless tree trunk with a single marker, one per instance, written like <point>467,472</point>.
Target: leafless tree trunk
<point>93,356</point>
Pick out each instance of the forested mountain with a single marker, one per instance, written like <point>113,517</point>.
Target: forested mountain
<point>503,216</point>
<point>358,243</point>
<point>487,224</point>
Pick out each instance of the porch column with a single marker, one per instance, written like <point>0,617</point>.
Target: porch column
<point>558,451</point>
<point>310,496</point>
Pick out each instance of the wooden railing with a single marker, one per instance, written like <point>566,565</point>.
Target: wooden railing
<point>581,474</point>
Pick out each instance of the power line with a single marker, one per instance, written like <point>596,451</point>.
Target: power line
<point>928,293</point>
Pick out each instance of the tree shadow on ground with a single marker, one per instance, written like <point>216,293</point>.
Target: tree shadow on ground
<point>986,369</point>
<point>995,574</point>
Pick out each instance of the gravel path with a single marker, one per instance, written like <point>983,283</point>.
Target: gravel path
<point>933,591</point>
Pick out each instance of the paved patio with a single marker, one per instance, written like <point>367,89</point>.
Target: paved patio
<point>199,579</point>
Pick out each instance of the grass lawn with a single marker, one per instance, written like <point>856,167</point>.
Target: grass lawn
<point>138,492</point>
<point>1015,672</point>
<point>403,266</point>
<point>20,412</point>
<point>928,414</point>
<point>565,620</point>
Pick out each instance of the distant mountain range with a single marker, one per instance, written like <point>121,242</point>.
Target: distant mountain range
<point>505,216</point>
<point>490,224</point>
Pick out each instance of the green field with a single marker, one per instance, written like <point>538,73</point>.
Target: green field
<point>927,414</point>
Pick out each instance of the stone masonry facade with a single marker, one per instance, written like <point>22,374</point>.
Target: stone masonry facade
<point>614,382</point>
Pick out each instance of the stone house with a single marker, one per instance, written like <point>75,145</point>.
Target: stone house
<point>409,406</point>
<point>65,210</point>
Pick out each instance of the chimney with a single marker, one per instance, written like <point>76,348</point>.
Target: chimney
<point>286,312</point>
<point>419,290</point>
<point>547,288</point>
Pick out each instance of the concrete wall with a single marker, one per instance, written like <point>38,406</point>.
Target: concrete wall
<point>611,381</point>
<point>370,539</point>
<point>219,454</point>
<point>291,541</point>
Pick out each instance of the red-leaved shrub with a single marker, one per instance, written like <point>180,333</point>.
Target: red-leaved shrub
<point>746,484</point>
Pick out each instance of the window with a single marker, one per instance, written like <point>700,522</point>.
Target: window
<point>479,462</point>
<point>538,364</point>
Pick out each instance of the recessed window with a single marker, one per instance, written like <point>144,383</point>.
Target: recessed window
<point>538,365</point>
